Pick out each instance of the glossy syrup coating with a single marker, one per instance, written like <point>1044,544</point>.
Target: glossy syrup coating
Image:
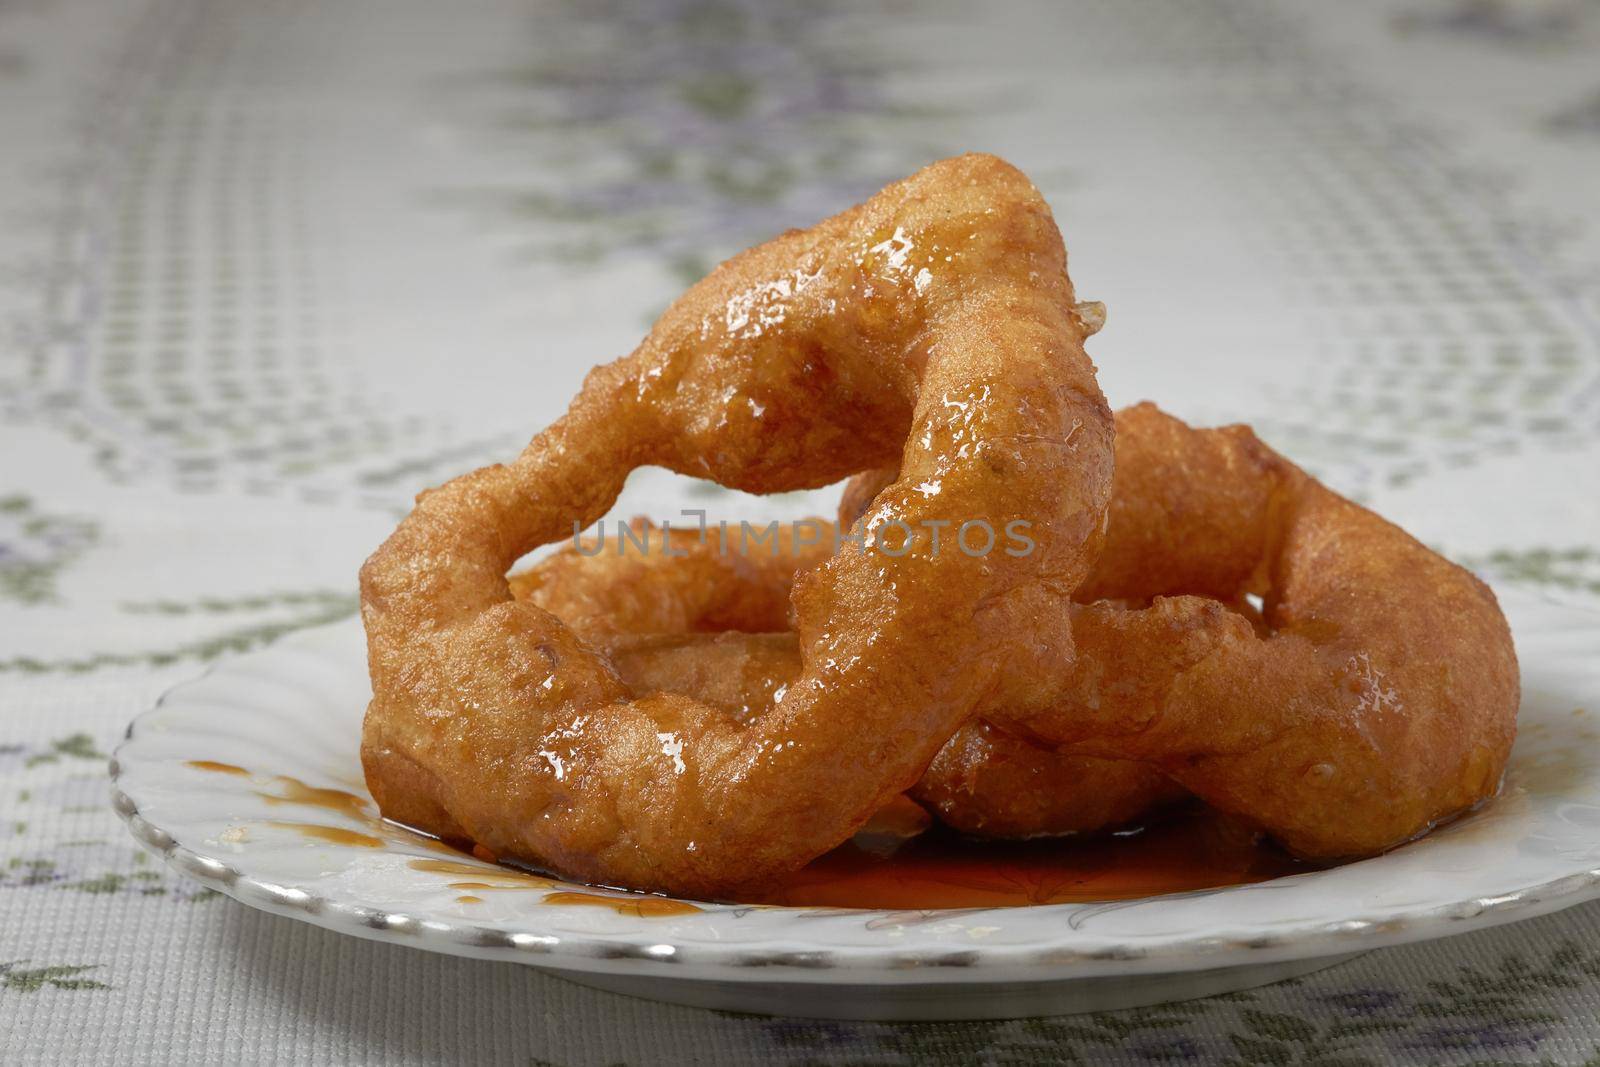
<point>714,625</point>
<point>658,580</point>
<point>1372,695</point>
<point>1382,696</point>
<point>930,328</point>
<point>988,781</point>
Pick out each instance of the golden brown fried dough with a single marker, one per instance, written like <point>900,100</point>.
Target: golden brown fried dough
<point>1381,698</point>
<point>990,782</point>
<point>932,329</point>
<point>666,620</point>
<point>1392,708</point>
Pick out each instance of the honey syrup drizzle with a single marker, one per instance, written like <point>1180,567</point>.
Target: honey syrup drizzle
<point>1192,848</point>
<point>333,835</point>
<point>215,767</point>
<point>638,905</point>
<point>294,791</point>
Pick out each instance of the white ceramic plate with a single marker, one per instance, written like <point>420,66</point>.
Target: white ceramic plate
<point>293,712</point>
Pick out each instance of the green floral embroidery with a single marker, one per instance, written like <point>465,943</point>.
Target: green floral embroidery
<point>315,598</point>
<point>1279,1038</point>
<point>1575,570</point>
<point>75,746</point>
<point>205,377</point>
<point>317,610</point>
<point>31,872</point>
<point>60,976</point>
<point>687,138</point>
<point>35,547</point>
<point>1312,1023</point>
<point>23,872</point>
<point>144,883</point>
<point>1500,997</point>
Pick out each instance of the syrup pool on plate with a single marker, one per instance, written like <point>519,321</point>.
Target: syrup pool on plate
<point>898,863</point>
<point>1190,848</point>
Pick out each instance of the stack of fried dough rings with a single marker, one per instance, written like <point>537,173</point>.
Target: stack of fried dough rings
<point>1193,613</point>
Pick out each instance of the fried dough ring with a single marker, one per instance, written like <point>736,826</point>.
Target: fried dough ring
<point>1373,695</point>
<point>990,782</point>
<point>1380,699</point>
<point>706,622</point>
<point>933,325</point>
<point>683,581</point>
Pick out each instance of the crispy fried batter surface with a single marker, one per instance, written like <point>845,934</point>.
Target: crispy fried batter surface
<point>1372,696</point>
<point>714,625</point>
<point>1392,706</point>
<point>1378,697</point>
<point>930,329</point>
<point>705,722</point>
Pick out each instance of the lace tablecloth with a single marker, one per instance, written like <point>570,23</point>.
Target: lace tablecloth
<point>270,266</point>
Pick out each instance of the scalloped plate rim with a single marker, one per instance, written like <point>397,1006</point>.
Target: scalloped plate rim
<point>793,957</point>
